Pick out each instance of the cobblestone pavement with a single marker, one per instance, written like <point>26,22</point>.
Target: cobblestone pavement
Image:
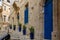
<point>2,34</point>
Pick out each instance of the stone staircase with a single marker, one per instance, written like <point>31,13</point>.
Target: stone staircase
<point>15,35</point>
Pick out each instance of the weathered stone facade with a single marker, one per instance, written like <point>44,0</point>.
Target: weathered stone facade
<point>56,20</point>
<point>35,17</point>
<point>1,19</point>
<point>5,12</point>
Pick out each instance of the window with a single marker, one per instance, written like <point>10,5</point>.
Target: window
<point>4,18</point>
<point>8,1</point>
<point>26,14</point>
<point>4,7</point>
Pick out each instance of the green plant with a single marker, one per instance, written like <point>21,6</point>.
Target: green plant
<point>19,24</point>
<point>14,25</point>
<point>32,29</point>
<point>24,27</point>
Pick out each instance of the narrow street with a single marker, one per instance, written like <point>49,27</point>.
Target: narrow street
<point>29,20</point>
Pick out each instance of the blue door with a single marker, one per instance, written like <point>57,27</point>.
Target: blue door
<point>48,19</point>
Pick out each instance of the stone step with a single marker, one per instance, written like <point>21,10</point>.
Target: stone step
<point>18,36</point>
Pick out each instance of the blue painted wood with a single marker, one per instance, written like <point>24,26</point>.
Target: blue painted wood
<point>26,16</point>
<point>48,19</point>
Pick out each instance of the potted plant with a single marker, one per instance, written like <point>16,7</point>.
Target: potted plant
<point>32,33</point>
<point>14,27</point>
<point>24,30</point>
<point>19,26</point>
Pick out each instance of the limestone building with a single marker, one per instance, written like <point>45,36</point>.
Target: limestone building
<point>5,5</point>
<point>30,14</point>
<point>1,17</point>
<point>56,20</point>
<point>5,13</point>
<point>1,10</point>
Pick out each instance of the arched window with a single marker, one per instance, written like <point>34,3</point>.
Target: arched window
<point>5,8</point>
<point>4,18</point>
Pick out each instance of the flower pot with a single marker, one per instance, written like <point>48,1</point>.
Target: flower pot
<point>19,28</point>
<point>24,31</point>
<point>19,24</point>
<point>31,35</point>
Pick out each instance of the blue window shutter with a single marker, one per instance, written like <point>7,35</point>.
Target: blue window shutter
<point>48,19</point>
<point>26,15</point>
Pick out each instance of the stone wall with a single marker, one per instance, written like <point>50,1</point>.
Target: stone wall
<point>58,17</point>
<point>35,18</point>
<point>54,33</point>
<point>56,20</point>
